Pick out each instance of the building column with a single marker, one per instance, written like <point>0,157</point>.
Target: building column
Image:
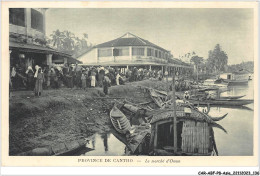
<point>96,55</point>
<point>10,70</point>
<point>49,59</point>
<point>10,51</point>
<point>113,54</point>
<point>130,53</point>
<point>162,68</point>
<point>145,51</point>
<point>28,21</point>
<point>44,21</point>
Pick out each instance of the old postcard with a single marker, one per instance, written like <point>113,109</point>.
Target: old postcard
<point>130,84</point>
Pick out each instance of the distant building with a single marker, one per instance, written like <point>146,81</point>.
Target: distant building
<point>27,44</point>
<point>131,50</point>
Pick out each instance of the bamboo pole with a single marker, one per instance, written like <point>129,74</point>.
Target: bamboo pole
<point>167,81</point>
<point>197,74</point>
<point>174,116</point>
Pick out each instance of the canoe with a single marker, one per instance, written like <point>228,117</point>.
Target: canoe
<point>156,98</point>
<point>222,102</point>
<point>68,148</point>
<point>236,82</point>
<point>160,92</point>
<point>119,121</point>
<point>232,97</point>
<point>228,106</point>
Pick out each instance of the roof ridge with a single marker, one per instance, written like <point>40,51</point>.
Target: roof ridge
<point>115,40</point>
<point>138,38</point>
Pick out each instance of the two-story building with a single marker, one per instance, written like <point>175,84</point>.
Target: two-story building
<point>130,50</point>
<point>27,43</point>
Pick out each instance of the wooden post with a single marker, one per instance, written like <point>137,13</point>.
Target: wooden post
<point>167,74</point>
<point>174,115</point>
<point>197,74</point>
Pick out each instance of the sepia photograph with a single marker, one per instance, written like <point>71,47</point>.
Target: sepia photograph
<point>131,82</point>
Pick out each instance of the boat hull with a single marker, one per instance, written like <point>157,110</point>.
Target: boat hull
<point>222,102</point>
<point>236,82</point>
<point>119,121</point>
<point>231,97</point>
<point>156,98</point>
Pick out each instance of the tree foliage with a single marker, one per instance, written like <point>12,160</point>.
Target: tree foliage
<point>247,67</point>
<point>217,60</point>
<point>67,42</point>
<point>199,62</point>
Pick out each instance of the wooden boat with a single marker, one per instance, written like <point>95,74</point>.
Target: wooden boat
<point>236,82</point>
<point>159,92</point>
<point>71,148</point>
<point>195,135</point>
<point>221,102</point>
<point>232,107</point>
<point>232,97</point>
<point>233,79</point>
<point>119,121</point>
<point>68,148</point>
<point>156,98</point>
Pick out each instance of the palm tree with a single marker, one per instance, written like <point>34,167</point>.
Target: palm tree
<point>68,41</point>
<point>57,38</point>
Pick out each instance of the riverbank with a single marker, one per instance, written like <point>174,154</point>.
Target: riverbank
<point>63,115</point>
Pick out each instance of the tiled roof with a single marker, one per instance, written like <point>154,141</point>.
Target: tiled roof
<point>25,47</point>
<point>35,48</point>
<point>134,41</point>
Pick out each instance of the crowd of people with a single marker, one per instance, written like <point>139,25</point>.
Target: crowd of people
<point>77,76</point>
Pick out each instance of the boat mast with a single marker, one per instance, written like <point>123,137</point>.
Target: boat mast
<point>174,115</point>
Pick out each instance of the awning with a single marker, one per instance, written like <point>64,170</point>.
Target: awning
<point>30,48</point>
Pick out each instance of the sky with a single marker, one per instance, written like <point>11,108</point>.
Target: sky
<point>178,30</point>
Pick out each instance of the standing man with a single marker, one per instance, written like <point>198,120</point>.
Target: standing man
<point>30,80</point>
<point>93,78</point>
<point>39,81</point>
<point>101,75</point>
<point>106,84</point>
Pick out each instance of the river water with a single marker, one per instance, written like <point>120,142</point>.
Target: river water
<point>105,145</point>
<point>238,123</point>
